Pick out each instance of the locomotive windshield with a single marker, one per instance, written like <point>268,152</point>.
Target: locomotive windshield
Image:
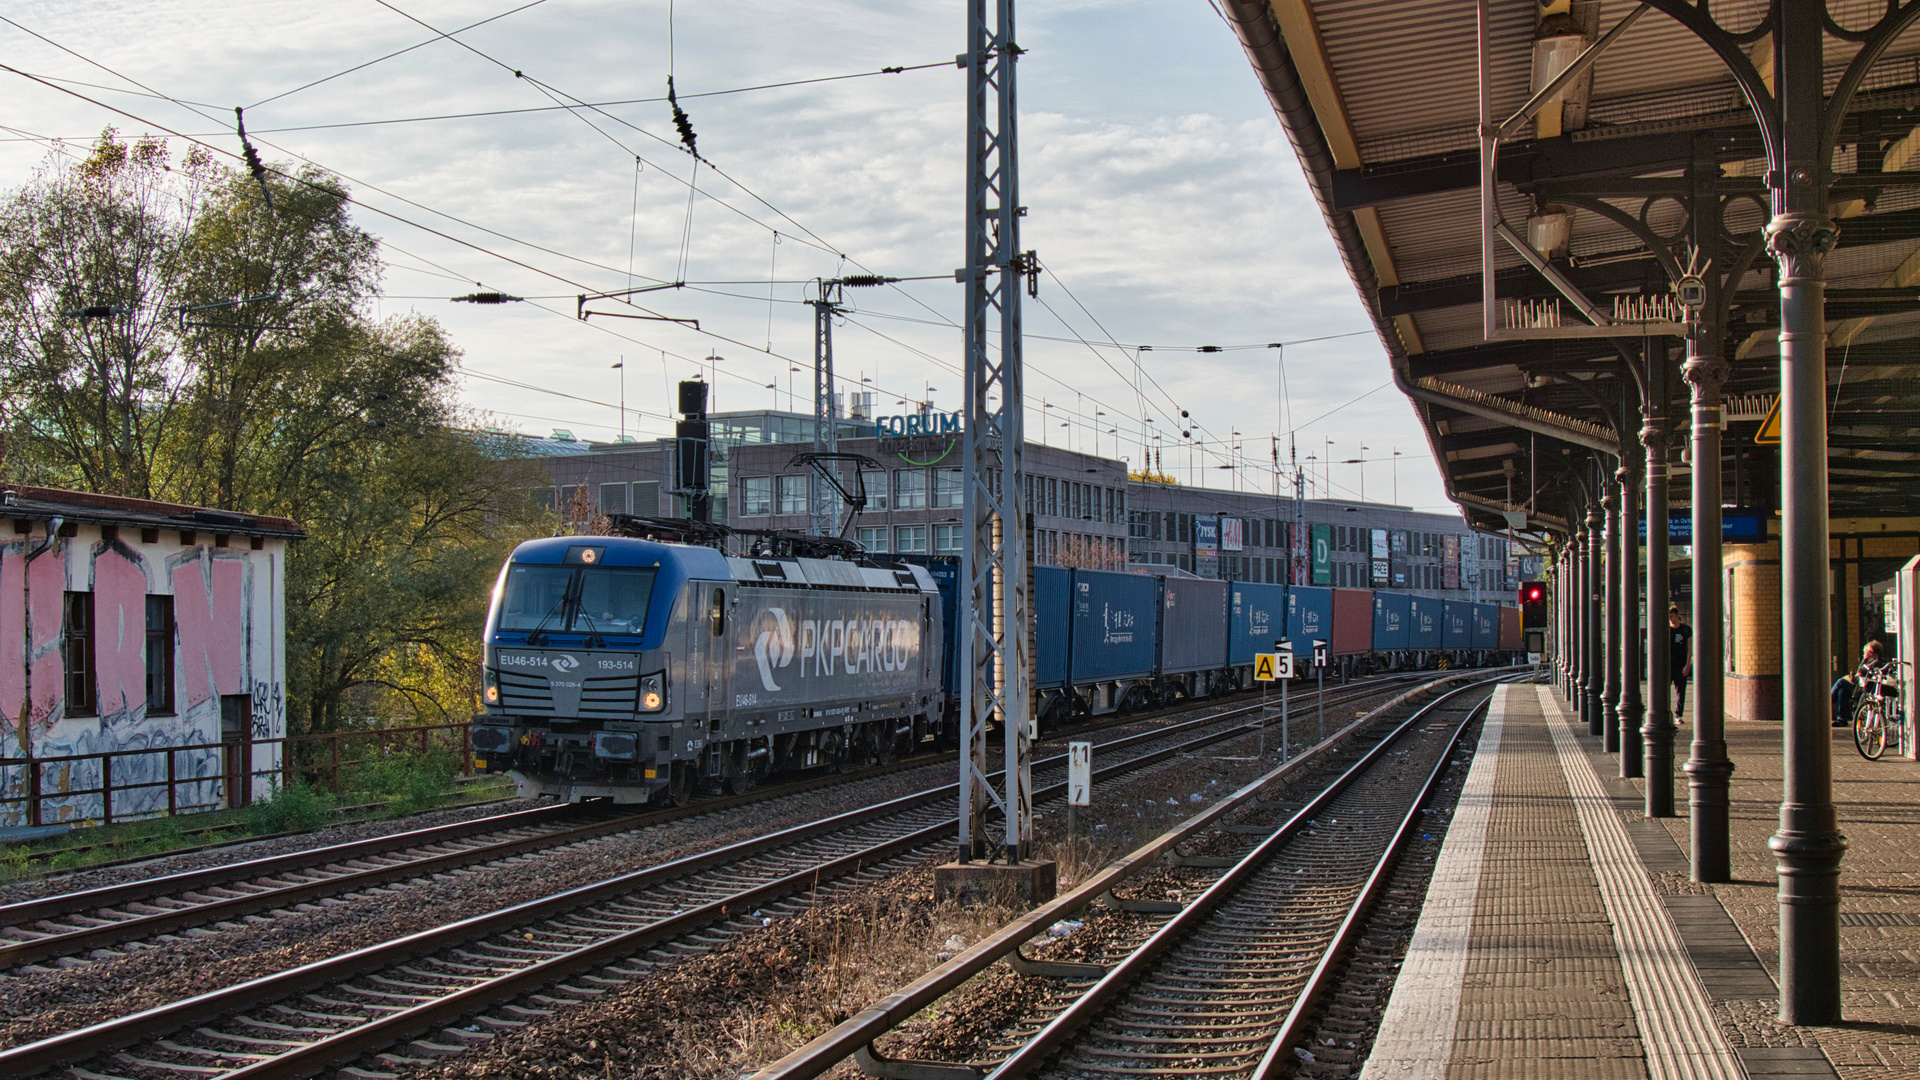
<point>575,600</point>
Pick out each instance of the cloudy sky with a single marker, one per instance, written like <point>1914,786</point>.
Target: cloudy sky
<point>1164,202</point>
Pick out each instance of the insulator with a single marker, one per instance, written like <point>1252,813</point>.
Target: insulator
<point>486,298</point>
<point>1209,348</point>
<point>866,280</point>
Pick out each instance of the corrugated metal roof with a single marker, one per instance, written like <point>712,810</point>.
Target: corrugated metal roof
<point>1405,87</point>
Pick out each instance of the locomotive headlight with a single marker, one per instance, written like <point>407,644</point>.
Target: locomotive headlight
<point>493,695</point>
<point>491,687</point>
<point>653,692</point>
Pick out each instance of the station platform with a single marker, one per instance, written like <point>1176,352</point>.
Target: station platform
<point>1562,937</point>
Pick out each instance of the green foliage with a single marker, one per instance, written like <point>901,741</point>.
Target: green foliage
<point>294,808</point>
<point>410,782</point>
<point>297,402</point>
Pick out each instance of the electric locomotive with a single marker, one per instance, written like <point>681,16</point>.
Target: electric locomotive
<point>639,670</point>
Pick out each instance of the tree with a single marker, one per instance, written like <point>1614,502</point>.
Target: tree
<point>237,366</point>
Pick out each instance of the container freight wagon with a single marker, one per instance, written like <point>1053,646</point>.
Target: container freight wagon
<point>1259,614</point>
<point>1512,638</point>
<point>1193,638</point>
<point>1114,637</point>
<point>1309,616</point>
<point>1456,626</point>
<point>1392,623</point>
<point>1486,627</point>
<point>1424,616</point>
<point>1051,632</point>
<point>1352,637</point>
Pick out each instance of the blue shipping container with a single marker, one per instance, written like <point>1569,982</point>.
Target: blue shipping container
<point>1392,618</point>
<point>1051,624</point>
<point>1259,614</point>
<point>1423,623</point>
<point>1486,626</point>
<point>1309,616</point>
<point>1113,626</point>
<point>1456,625</point>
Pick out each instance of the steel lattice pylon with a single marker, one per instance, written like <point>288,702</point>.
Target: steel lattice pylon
<point>822,506</point>
<point>994,679</point>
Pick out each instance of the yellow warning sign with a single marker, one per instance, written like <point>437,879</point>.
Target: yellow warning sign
<point>1769,433</point>
<point>1263,667</point>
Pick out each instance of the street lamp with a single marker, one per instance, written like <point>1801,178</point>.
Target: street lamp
<point>621,367</point>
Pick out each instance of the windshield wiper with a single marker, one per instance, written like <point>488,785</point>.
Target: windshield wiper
<point>568,596</point>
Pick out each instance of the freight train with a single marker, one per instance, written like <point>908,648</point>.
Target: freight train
<point>638,670</point>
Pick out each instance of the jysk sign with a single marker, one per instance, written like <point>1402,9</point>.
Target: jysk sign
<point>1736,527</point>
<point>917,424</point>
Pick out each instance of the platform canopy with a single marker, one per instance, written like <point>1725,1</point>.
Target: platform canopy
<point>1606,194</point>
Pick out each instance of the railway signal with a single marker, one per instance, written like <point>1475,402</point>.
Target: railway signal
<point>1533,605</point>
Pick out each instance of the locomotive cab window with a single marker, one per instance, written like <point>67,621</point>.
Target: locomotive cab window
<point>717,612</point>
<point>576,599</point>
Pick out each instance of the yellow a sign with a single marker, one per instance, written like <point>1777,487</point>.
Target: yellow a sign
<point>1263,667</point>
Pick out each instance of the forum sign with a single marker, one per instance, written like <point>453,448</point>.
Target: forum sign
<point>895,427</point>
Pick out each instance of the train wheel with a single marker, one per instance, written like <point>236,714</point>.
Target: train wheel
<point>679,789</point>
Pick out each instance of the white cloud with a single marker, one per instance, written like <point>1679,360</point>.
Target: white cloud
<point>1162,192</point>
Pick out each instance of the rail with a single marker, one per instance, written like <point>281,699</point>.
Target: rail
<point>165,781</point>
<point>855,1036</point>
<point>305,1058</point>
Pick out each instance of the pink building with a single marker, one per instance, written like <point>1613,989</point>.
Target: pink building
<point>130,625</point>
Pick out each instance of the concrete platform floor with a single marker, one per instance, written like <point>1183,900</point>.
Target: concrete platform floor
<point>1879,808</point>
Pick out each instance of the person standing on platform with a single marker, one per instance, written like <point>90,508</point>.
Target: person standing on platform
<point>1679,658</point>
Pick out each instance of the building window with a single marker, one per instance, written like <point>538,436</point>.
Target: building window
<point>76,652</point>
<point>910,489</point>
<point>613,498</point>
<point>793,494</point>
<point>948,538</point>
<point>874,538</point>
<point>1137,527</point>
<point>876,487</point>
<point>159,656</point>
<point>910,539</point>
<point>756,496</point>
<point>946,487</point>
<point>646,497</point>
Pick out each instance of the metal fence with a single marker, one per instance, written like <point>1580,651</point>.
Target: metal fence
<point>166,780</point>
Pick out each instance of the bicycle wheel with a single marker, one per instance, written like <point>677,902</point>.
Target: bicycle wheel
<point>1870,730</point>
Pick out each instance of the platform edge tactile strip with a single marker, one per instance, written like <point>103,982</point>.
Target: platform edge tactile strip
<point>1416,1036</point>
<point>1680,1037</point>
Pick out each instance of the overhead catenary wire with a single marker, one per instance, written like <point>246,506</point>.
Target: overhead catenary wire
<point>1162,391</point>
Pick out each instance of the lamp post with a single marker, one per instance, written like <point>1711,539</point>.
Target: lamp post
<point>1396,477</point>
<point>621,367</point>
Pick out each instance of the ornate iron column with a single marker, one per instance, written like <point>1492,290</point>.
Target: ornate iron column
<point>1609,589</point>
<point>1709,772</point>
<point>1626,615</point>
<point>1808,846</point>
<point>1658,734</point>
<point>1592,636</point>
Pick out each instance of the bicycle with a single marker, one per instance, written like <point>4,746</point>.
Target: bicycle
<point>1877,715</point>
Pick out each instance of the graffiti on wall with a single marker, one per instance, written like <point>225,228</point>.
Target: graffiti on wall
<point>212,609</point>
<point>269,711</point>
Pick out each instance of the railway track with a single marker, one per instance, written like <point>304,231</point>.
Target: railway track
<point>512,966</point>
<point>1202,995</point>
<point>76,924</point>
<point>1221,981</point>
